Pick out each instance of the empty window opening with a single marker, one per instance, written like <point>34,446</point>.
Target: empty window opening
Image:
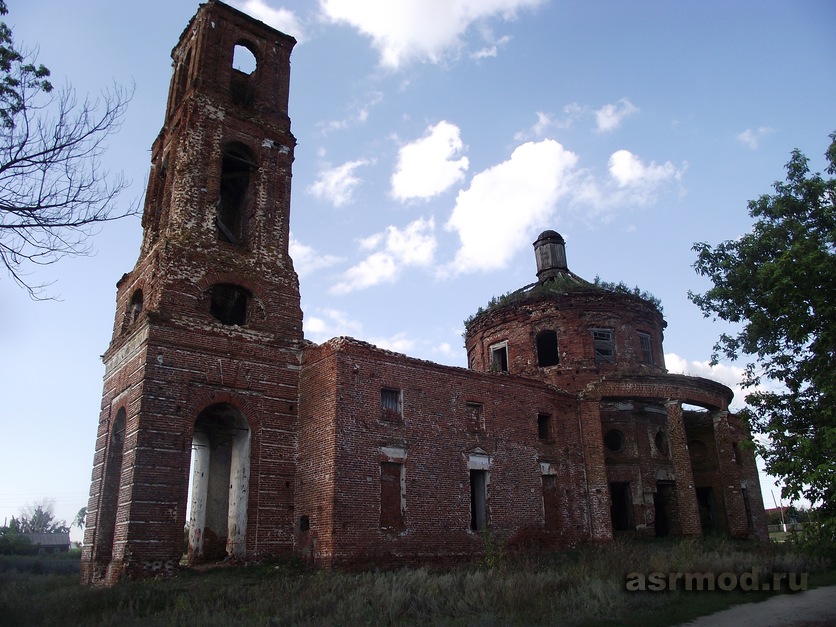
<point>647,350</point>
<point>236,168</point>
<point>621,509</point>
<point>705,502</point>
<point>551,511</point>
<point>111,485</point>
<point>135,307</point>
<point>747,507</point>
<point>390,404</point>
<point>475,415</point>
<point>665,509</point>
<point>391,495</point>
<point>661,442</point>
<point>304,523</point>
<point>604,344</point>
<point>478,500</point>
<point>229,304</point>
<point>244,64</point>
<point>220,484</point>
<point>738,459</point>
<point>614,440</point>
<point>544,431</point>
<point>547,354</point>
<point>499,358</point>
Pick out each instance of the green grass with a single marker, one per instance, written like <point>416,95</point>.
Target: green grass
<point>584,587</point>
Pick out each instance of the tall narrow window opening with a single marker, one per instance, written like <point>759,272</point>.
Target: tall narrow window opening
<point>547,353</point>
<point>478,500</point>
<point>235,181</point>
<point>499,357</point>
<point>544,427</point>
<point>111,485</point>
<point>391,495</point>
<point>647,349</point>
<point>604,344</point>
<point>244,65</point>
<point>621,509</point>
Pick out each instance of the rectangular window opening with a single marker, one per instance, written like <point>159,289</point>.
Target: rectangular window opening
<point>647,350</point>
<point>391,495</point>
<point>478,500</point>
<point>621,507</point>
<point>604,345</point>
<point>391,404</point>
<point>544,426</point>
<point>499,358</point>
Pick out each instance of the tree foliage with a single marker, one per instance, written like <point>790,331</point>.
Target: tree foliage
<point>40,518</point>
<point>776,284</point>
<point>54,191</point>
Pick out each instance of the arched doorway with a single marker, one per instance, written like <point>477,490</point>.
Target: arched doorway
<point>220,484</point>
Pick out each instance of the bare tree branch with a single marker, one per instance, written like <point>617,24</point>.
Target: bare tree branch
<point>54,191</point>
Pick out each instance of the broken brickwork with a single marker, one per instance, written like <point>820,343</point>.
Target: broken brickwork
<point>565,428</point>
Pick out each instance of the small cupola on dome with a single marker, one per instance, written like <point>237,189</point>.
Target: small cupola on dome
<point>550,253</point>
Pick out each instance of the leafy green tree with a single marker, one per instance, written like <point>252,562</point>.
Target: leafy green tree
<point>80,519</point>
<point>777,285</point>
<point>40,518</point>
<point>53,189</point>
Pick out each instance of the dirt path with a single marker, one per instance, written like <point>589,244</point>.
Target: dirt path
<point>813,608</point>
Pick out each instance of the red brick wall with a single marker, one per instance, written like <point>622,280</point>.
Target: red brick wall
<point>436,440</point>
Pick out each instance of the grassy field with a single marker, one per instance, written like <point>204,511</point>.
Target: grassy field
<point>585,587</point>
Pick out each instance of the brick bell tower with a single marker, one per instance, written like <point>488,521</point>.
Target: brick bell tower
<point>201,376</point>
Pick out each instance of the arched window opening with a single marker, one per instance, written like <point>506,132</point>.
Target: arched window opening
<point>547,353</point>
<point>220,484</point>
<point>111,484</point>
<point>229,304</point>
<point>135,307</point>
<point>244,65</point>
<point>235,181</point>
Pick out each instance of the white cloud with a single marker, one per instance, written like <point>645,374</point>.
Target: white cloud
<point>280,19</point>
<point>547,121</point>
<point>495,216</point>
<point>609,117</point>
<point>425,30</point>
<point>398,343</point>
<point>306,260</point>
<point>641,180</point>
<point>414,245</point>
<point>359,115</point>
<point>730,376</point>
<point>323,324</point>
<point>752,138</point>
<point>428,166</point>
<point>337,185</point>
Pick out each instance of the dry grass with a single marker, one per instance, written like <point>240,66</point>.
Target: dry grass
<point>584,587</point>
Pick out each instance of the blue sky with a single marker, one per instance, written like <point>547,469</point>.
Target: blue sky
<point>436,139</point>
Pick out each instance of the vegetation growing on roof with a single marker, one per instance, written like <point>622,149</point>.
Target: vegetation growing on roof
<point>576,284</point>
<point>622,288</point>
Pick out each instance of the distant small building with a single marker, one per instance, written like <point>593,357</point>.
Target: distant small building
<point>49,542</point>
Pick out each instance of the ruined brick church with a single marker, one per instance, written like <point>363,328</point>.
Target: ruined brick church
<point>564,428</point>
